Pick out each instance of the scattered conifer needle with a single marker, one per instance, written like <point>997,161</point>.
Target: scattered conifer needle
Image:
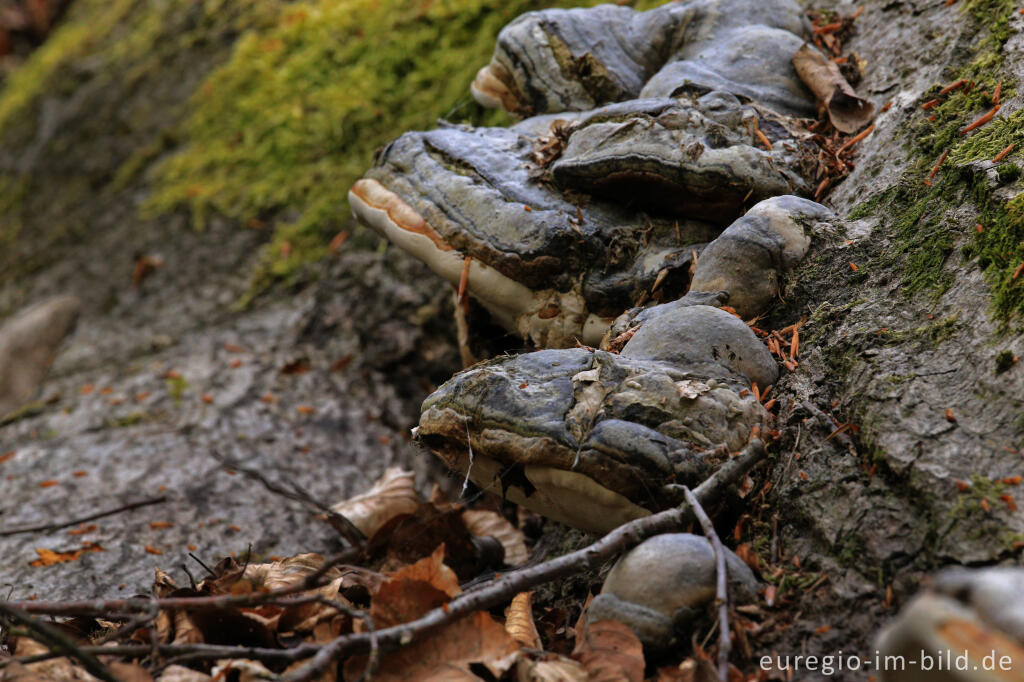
<point>464,279</point>
<point>935,168</point>
<point>857,138</point>
<point>981,121</point>
<point>1016,273</point>
<point>764,139</point>
<point>1002,155</point>
<point>953,86</point>
<point>930,103</point>
<point>998,91</point>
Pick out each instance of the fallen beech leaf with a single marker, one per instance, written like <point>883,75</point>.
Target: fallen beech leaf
<point>445,655</point>
<point>556,669</point>
<point>519,621</point>
<point>483,523</point>
<point>412,591</point>
<point>691,670</point>
<point>242,670</point>
<point>846,110</point>
<point>394,493</point>
<point>179,673</point>
<point>53,669</point>
<point>610,652</point>
<point>48,557</point>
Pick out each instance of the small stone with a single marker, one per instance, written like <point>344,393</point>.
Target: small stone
<point>663,583</point>
<point>28,345</point>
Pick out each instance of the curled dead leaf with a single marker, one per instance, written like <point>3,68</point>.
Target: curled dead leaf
<point>610,652</point>
<point>483,523</point>
<point>394,493</point>
<point>445,654</point>
<point>412,591</point>
<point>48,557</point>
<point>847,111</point>
<point>179,673</point>
<point>555,669</point>
<point>519,621</point>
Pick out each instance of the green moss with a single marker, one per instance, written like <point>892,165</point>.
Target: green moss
<point>924,235</point>
<point>116,74</point>
<point>293,119</point>
<point>1004,361</point>
<point>127,420</point>
<point>176,387</point>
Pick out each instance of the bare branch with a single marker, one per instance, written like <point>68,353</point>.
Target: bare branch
<point>498,591</point>
<point>57,640</point>
<point>295,492</point>
<point>722,586</point>
<point>50,527</point>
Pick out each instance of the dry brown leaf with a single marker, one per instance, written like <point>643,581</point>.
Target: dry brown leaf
<point>483,523</point>
<point>690,670</point>
<point>45,671</point>
<point>394,493</point>
<point>179,673</point>
<point>847,111</point>
<point>412,591</point>
<point>129,672</point>
<point>610,652</point>
<point>48,557</point>
<point>445,655</point>
<point>556,669</point>
<point>519,621</point>
<point>241,669</point>
<point>281,574</point>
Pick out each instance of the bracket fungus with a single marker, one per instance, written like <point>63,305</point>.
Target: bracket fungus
<point>578,59</point>
<point>594,439</point>
<point>640,151</point>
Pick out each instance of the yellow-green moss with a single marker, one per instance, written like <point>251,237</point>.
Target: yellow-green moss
<point>116,74</point>
<point>283,129</point>
<point>924,235</point>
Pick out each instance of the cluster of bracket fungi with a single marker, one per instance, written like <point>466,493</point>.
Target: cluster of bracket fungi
<point>662,158</point>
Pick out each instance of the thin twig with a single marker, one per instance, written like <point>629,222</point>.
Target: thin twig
<point>722,586</point>
<point>499,591</point>
<point>59,641</point>
<point>297,493</point>
<point>462,331</point>
<point>104,607</point>
<point>510,584</point>
<point>821,414</point>
<point>50,527</point>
